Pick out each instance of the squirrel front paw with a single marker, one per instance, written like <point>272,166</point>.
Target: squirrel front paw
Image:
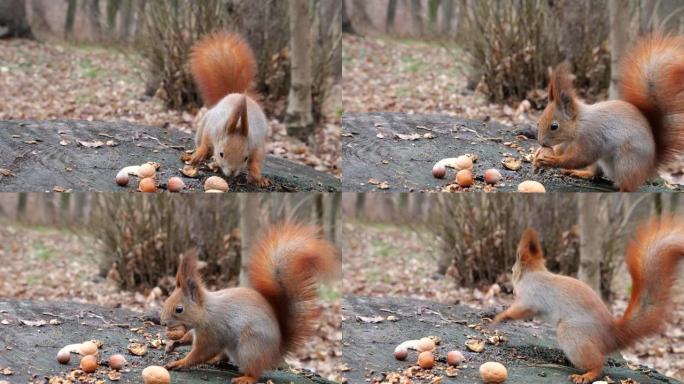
<point>499,318</point>
<point>178,364</point>
<point>243,380</point>
<point>261,182</point>
<point>171,346</point>
<point>541,155</point>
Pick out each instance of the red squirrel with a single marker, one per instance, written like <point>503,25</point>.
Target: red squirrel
<point>254,327</point>
<point>585,328</point>
<point>628,140</point>
<point>234,129</point>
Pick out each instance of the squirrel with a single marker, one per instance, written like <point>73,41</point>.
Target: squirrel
<point>627,140</point>
<point>234,129</point>
<point>585,328</point>
<point>256,326</point>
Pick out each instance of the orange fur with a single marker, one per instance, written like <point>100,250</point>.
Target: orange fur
<point>652,79</point>
<point>222,63</point>
<point>529,248</point>
<point>652,258</point>
<point>284,267</point>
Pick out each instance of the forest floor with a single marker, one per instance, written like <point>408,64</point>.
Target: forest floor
<point>411,76</point>
<point>41,263</point>
<point>42,81</point>
<point>389,260</point>
<point>382,74</point>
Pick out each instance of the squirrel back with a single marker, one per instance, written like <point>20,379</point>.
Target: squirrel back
<point>652,79</point>
<point>652,258</point>
<point>222,63</point>
<point>285,266</point>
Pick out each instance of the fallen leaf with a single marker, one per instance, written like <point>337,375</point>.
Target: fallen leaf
<point>64,143</point>
<point>190,171</point>
<point>91,144</point>
<point>137,348</point>
<point>511,163</point>
<point>411,137</point>
<point>372,320</point>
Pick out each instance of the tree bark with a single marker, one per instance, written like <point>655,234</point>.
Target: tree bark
<point>13,21</point>
<point>447,16</point>
<point>391,15</point>
<point>126,19</point>
<point>590,241</point>
<point>619,22</point>
<point>94,18</point>
<point>70,18</point>
<point>299,118</point>
<point>346,20</point>
<point>417,17</point>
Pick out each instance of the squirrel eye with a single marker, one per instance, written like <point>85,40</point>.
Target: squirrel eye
<point>554,126</point>
<point>179,308</point>
<point>221,154</point>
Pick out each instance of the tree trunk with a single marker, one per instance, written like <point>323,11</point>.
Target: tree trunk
<point>619,21</point>
<point>112,9</point>
<point>21,206</point>
<point>39,20</point>
<point>417,17</point>
<point>590,241</point>
<point>126,19</point>
<point>391,15</point>
<point>140,17</point>
<point>249,226</point>
<point>13,21</point>
<point>360,206</point>
<point>70,18</point>
<point>94,18</point>
<point>346,20</point>
<point>299,118</point>
<point>359,16</point>
<point>447,16</point>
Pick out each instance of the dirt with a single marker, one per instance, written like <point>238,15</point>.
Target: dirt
<point>375,158</point>
<point>62,155</point>
<point>529,351</point>
<point>29,349</point>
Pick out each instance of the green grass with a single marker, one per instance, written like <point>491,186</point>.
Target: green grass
<point>411,64</point>
<point>88,69</point>
<point>42,251</point>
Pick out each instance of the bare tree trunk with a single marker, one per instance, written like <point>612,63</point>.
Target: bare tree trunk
<point>619,22</point>
<point>39,20</point>
<point>249,226</point>
<point>140,17</point>
<point>13,21</point>
<point>21,206</point>
<point>299,118</point>
<point>360,205</point>
<point>346,20</point>
<point>94,18</point>
<point>112,9</point>
<point>126,19</point>
<point>447,16</point>
<point>590,241</point>
<point>417,17</point>
<point>433,11</point>
<point>359,16</point>
<point>391,15</point>
<point>70,18</point>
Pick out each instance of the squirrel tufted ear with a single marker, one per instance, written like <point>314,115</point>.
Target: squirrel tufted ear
<point>529,247</point>
<point>237,122</point>
<point>187,277</point>
<point>561,90</point>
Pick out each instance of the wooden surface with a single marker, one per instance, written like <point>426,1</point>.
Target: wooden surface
<point>32,152</point>
<point>29,350</point>
<point>406,165</point>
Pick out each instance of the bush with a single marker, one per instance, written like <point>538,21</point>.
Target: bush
<point>479,234</point>
<point>143,235</point>
<point>513,44</point>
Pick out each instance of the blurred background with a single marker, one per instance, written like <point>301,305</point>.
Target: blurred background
<point>121,250</point>
<point>459,248</point>
<point>487,59</point>
<point>127,60</point>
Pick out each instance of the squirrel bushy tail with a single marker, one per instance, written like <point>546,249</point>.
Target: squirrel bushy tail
<point>652,259</point>
<point>222,63</point>
<point>652,79</point>
<point>285,266</point>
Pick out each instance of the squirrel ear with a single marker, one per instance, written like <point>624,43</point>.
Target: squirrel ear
<point>187,277</point>
<point>529,246</point>
<point>237,123</point>
<point>561,91</point>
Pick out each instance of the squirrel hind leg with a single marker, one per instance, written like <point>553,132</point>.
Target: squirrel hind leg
<point>581,347</point>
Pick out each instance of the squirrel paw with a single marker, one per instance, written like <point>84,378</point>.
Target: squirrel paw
<point>243,380</point>
<point>548,161</point>
<point>260,182</point>
<point>499,318</point>
<point>580,173</point>
<point>580,379</point>
<point>178,364</point>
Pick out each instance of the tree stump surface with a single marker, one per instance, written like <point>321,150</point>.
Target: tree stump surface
<point>46,155</point>
<point>30,350</point>
<point>530,353</point>
<point>406,165</point>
